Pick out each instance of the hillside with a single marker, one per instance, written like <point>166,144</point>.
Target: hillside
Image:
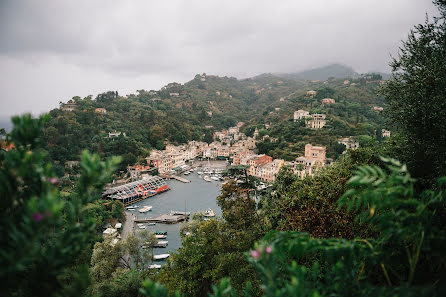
<point>322,73</point>
<point>207,103</point>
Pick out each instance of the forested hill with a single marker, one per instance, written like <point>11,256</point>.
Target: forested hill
<point>182,112</point>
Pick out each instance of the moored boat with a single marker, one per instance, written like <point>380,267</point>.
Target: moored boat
<point>160,257</point>
<point>206,178</point>
<point>161,243</point>
<point>209,213</point>
<point>160,236</point>
<point>145,208</point>
<point>154,266</point>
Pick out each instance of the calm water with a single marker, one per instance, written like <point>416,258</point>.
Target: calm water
<point>199,195</point>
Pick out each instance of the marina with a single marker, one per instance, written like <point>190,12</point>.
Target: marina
<point>196,196</point>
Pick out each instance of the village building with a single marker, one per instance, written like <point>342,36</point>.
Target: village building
<point>328,101</point>
<point>174,94</point>
<point>385,133</point>
<point>315,121</point>
<point>314,158</point>
<point>300,114</point>
<point>115,134</point>
<point>100,110</point>
<point>349,142</point>
<point>378,108</point>
<point>311,93</point>
<point>70,106</point>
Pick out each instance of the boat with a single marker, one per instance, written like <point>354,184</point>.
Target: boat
<point>179,213</point>
<point>161,257</point>
<point>206,178</point>
<point>191,170</point>
<point>160,236</point>
<point>132,207</point>
<point>215,178</point>
<point>161,232</point>
<point>187,173</point>
<point>209,213</point>
<point>154,266</point>
<point>145,209</point>
<point>161,243</point>
<point>200,172</point>
<point>151,224</point>
<point>142,227</point>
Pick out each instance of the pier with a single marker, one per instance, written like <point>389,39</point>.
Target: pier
<point>181,179</point>
<point>171,218</point>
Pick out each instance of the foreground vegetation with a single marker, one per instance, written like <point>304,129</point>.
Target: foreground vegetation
<point>367,226</point>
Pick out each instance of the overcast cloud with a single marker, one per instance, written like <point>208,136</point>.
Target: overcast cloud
<point>51,51</point>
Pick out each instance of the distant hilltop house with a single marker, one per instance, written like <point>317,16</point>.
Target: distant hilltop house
<point>377,108</point>
<point>385,133</point>
<point>174,94</point>
<point>328,101</point>
<point>240,124</point>
<point>282,99</point>
<point>218,93</point>
<point>311,93</point>
<point>256,133</point>
<point>70,106</point>
<point>346,82</point>
<point>115,134</point>
<point>315,121</point>
<point>100,110</point>
<point>300,114</point>
<point>209,113</point>
<point>277,108</point>
<point>209,127</point>
<point>349,142</point>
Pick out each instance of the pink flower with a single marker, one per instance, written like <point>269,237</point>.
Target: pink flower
<point>255,254</point>
<point>53,180</point>
<point>37,217</point>
<point>268,249</point>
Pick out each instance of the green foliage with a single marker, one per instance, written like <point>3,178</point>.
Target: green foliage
<point>415,97</point>
<point>44,233</point>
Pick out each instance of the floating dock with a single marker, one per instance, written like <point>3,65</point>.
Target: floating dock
<point>171,218</point>
<point>181,179</point>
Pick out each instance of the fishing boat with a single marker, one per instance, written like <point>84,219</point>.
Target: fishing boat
<point>160,236</point>
<point>160,257</point>
<point>151,224</point>
<point>145,208</point>
<point>200,172</point>
<point>191,170</point>
<point>206,178</point>
<point>132,207</point>
<point>187,173</point>
<point>154,266</point>
<point>141,226</point>
<point>161,232</point>
<point>215,178</point>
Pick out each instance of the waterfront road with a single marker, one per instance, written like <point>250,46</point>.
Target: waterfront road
<point>128,224</point>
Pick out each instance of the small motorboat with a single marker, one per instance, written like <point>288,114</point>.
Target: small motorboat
<point>145,209</point>
<point>160,236</point>
<point>206,178</point>
<point>154,266</point>
<point>200,172</point>
<point>209,213</point>
<point>160,257</point>
<point>215,178</point>
<point>161,244</point>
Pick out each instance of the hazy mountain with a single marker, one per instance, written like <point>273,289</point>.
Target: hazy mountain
<point>322,73</point>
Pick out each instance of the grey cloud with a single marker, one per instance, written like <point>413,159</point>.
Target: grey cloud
<point>79,47</point>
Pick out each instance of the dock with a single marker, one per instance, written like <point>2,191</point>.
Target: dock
<point>166,219</point>
<point>181,179</point>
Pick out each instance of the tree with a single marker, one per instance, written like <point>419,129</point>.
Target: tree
<point>44,233</point>
<point>416,98</point>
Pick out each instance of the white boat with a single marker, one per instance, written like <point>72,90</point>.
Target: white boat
<point>145,209</point>
<point>215,178</point>
<point>160,236</point>
<point>161,243</point>
<point>132,207</point>
<point>200,172</point>
<point>142,227</point>
<point>187,173</point>
<point>154,266</point>
<point>209,213</point>
<point>206,178</point>
<point>151,224</point>
<point>161,256</point>
<point>191,170</point>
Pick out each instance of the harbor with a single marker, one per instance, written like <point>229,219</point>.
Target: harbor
<point>183,199</point>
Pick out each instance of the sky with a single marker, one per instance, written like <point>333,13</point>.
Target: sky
<point>51,51</point>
